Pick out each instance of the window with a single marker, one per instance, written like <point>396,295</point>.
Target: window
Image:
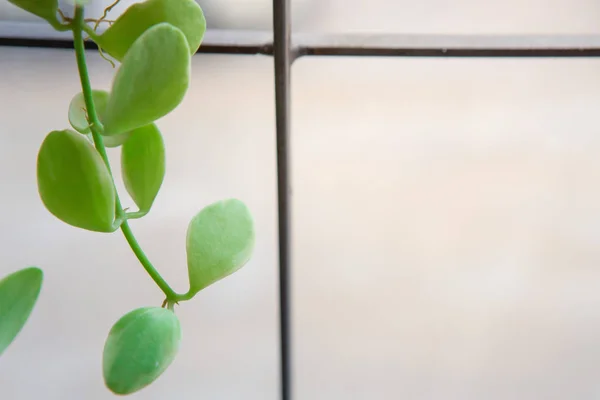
<point>444,219</point>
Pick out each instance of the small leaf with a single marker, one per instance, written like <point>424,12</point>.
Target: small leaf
<point>78,113</point>
<point>45,9</point>
<point>74,183</point>
<point>151,81</point>
<point>143,165</point>
<point>139,348</point>
<point>220,240</point>
<point>116,140</point>
<point>18,294</point>
<point>183,14</point>
<point>78,117</point>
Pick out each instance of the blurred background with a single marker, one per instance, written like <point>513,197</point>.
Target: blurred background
<point>446,216</point>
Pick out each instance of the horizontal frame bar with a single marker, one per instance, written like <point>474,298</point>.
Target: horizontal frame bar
<point>405,45</point>
<point>218,41</point>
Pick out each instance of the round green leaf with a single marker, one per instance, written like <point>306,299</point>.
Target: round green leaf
<point>183,14</point>
<point>143,165</point>
<point>220,240</point>
<point>151,81</point>
<point>18,294</point>
<point>74,183</point>
<point>45,9</point>
<point>139,348</point>
<point>78,113</point>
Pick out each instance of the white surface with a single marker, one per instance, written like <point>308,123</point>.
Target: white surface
<point>447,226</point>
<point>460,16</point>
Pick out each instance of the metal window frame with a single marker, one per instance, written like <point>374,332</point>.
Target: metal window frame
<point>285,49</point>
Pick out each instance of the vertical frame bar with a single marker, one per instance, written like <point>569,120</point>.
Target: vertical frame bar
<point>283,60</point>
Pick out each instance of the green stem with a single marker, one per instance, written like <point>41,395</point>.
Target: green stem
<point>139,253</point>
<point>58,26</point>
<point>96,127</point>
<point>92,33</point>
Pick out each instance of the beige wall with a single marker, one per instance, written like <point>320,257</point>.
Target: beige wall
<point>447,229</point>
<point>446,221</point>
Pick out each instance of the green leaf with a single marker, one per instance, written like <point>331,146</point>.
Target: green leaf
<point>151,81</point>
<point>183,14</point>
<point>220,240</point>
<point>45,9</point>
<point>139,348</point>
<point>78,117</point>
<point>18,294</point>
<point>78,113</point>
<point>116,140</point>
<point>74,183</point>
<point>143,165</point>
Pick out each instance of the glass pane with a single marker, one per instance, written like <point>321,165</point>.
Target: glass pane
<point>446,229</point>
<point>219,145</point>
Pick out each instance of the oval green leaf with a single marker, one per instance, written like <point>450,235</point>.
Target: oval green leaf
<point>19,292</point>
<point>220,240</point>
<point>78,113</point>
<point>151,81</point>
<point>143,165</point>
<point>45,9</point>
<point>186,15</point>
<point>74,183</point>
<point>139,348</point>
